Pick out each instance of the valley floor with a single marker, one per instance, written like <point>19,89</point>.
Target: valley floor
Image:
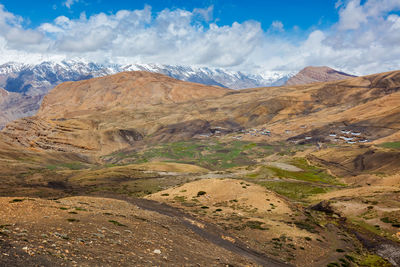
<point>199,202</point>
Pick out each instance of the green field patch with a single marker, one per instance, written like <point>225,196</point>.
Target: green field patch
<point>395,145</point>
<point>294,190</point>
<point>308,173</point>
<point>70,165</point>
<point>212,155</point>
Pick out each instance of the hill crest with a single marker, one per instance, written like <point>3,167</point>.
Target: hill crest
<point>314,74</point>
<point>124,90</point>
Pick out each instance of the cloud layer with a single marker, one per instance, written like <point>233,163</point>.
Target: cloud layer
<point>364,40</point>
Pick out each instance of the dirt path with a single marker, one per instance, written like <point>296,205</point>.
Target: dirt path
<point>206,230</point>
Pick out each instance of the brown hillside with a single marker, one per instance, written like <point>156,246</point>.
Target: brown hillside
<point>317,74</point>
<point>124,90</point>
<point>101,117</point>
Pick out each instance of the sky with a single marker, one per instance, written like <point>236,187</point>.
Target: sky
<point>359,37</point>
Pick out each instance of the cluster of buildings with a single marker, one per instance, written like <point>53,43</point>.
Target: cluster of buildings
<point>253,132</point>
<point>348,136</point>
<point>343,135</point>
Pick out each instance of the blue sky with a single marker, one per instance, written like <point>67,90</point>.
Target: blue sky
<point>304,14</point>
<point>356,36</point>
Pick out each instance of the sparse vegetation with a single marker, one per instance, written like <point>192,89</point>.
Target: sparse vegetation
<point>372,260</point>
<point>295,190</point>
<point>117,223</point>
<point>255,225</point>
<point>180,198</point>
<point>17,200</point>
<point>201,193</point>
<point>70,166</point>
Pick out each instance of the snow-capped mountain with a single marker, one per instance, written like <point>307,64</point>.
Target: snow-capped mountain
<point>28,83</point>
<point>38,79</point>
<point>214,76</point>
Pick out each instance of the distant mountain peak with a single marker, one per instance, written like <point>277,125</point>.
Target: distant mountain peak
<point>312,74</point>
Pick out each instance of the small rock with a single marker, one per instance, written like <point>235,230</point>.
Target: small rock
<point>99,235</point>
<point>157,251</point>
<point>21,234</point>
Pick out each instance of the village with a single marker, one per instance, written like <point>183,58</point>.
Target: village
<point>344,136</point>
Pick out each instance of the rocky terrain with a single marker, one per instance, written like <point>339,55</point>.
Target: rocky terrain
<point>317,74</point>
<point>140,167</point>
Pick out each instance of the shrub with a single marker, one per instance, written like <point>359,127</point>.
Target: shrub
<point>255,225</point>
<point>116,223</point>
<point>16,200</point>
<point>201,193</point>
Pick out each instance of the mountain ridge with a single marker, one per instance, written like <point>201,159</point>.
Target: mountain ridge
<point>313,74</point>
<point>134,89</point>
<point>29,83</point>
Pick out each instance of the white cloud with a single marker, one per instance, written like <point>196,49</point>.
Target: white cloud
<point>352,16</point>
<point>69,3</point>
<point>13,33</point>
<point>277,26</point>
<point>205,13</point>
<point>364,40</point>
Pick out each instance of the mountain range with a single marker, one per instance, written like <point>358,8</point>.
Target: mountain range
<point>27,84</point>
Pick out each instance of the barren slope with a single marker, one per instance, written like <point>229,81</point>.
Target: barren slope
<point>124,90</point>
<point>317,74</point>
